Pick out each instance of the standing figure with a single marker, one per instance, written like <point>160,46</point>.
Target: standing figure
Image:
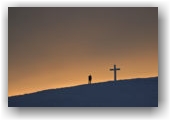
<point>90,78</point>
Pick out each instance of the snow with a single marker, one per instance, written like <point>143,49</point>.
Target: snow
<point>141,92</point>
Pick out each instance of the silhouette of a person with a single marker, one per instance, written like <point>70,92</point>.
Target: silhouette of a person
<point>90,79</point>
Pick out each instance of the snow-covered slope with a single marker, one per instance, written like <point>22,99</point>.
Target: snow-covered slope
<point>126,93</point>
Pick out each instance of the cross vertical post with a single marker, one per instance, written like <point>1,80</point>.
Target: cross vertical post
<point>115,69</point>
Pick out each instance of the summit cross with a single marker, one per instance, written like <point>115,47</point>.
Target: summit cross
<point>115,69</point>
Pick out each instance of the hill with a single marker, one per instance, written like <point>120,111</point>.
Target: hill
<point>141,92</point>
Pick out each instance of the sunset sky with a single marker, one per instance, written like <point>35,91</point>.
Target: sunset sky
<point>59,47</point>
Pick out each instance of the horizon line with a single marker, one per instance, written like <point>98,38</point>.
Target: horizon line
<point>79,85</point>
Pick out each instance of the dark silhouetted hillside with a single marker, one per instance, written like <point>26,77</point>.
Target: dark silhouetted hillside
<point>125,93</point>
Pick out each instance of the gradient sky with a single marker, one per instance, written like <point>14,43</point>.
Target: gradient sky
<point>60,47</point>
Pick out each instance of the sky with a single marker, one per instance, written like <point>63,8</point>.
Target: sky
<point>59,47</point>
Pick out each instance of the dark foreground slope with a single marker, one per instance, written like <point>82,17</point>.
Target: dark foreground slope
<point>125,93</point>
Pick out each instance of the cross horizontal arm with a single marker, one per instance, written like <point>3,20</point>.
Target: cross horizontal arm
<point>114,69</point>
